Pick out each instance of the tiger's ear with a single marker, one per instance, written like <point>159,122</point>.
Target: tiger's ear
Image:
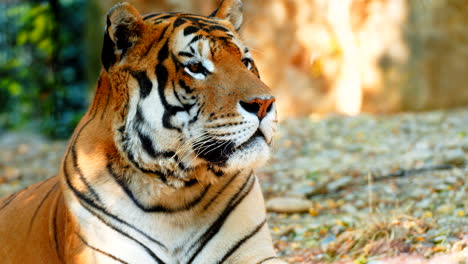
<point>230,10</point>
<point>124,26</point>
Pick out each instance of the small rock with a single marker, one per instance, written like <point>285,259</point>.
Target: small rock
<point>22,149</point>
<point>302,189</point>
<point>10,173</point>
<point>354,148</point>
<point>445,209</point>
<point>288,205</point>
<point>460,245</point>
<point>349,209</point>
<point>455,157</point>
<point>327,240</point>
<point>465,145</point>
<point>339,183</point>
<point>375,262</point>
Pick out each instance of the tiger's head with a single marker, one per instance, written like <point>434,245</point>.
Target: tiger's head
<point>188,93</point>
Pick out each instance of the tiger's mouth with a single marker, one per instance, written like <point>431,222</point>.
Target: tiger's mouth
<point>219,151</point>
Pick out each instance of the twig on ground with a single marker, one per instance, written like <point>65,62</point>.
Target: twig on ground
<point>323,190</point>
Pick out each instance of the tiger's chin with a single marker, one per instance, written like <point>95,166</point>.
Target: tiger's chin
<point>249,155</point>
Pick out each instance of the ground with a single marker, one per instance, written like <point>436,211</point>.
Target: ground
<point>365,189</point>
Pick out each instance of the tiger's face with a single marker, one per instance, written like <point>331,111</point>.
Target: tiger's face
<point>191,96</point>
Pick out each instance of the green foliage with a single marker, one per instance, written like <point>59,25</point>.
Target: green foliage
<point>42,68</point>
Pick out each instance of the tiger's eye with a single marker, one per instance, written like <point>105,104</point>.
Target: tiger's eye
<point>248,63</point>
<point>196,67</point>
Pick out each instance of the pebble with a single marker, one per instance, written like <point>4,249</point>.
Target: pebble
<point>339,183</point>
<point>455,157</point>
<point>10,173</point>
<point>288,205</point>
<point>445,209</point>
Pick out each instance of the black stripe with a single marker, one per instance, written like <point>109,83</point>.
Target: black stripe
<point>155,208</point>
<point>9,199</point>
<point>150,47</point>
<point>99,250</point>
<point>56,242</point>
<point>86,203</point>
<point>84,199</point>
<point>190,30</point>
<point>163,53</point>
<point>12,196</point>
<point>177,95</point>
<point>166,16</point>
<point>139,119</point>
<point>40,206</point>
<point>147,144</point>
<point>123,233</point>
<point>216,10</point>
<point>218,223</point>
<point>131,158</point>
<point>160,37</point>
<point>145,140</point>
<point>186,54</point>
<point>195,118</point>
<point>150,16</point>
<point>108,57</point>
<point>109,94</point>
<point>242,241</point>
<point>80,173</point>
<point>227,124</point>
<point>265,260</point>
<point>71,149</point>
<point>170,110</point>
<point>218,173</point>
<point>184,86</point>
<point>196,38</point>
<point>200,20</point>
<point>144,82</point>
<point>185,106</point>
<point>162,75</point>
<point>94,103</point>
<point>178,22</point>
<point>221,28</point>
<point>220,191</point>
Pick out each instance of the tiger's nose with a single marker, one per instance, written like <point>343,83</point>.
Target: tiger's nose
<point>258,106</point>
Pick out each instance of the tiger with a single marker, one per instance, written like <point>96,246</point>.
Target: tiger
<point>160,169</point>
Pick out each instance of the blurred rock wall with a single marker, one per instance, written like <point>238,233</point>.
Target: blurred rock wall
<point>352,55</point>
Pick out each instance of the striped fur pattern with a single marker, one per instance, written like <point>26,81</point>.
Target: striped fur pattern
<point>160,168</point>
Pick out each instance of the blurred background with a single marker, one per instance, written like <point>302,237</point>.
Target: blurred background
<point>371,159</point>
<point>319,56</point>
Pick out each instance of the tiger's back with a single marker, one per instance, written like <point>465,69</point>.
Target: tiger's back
<point>160,168</point>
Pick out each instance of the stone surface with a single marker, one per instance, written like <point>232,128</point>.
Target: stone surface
<point>455,157</point>
<point>288,205</point>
